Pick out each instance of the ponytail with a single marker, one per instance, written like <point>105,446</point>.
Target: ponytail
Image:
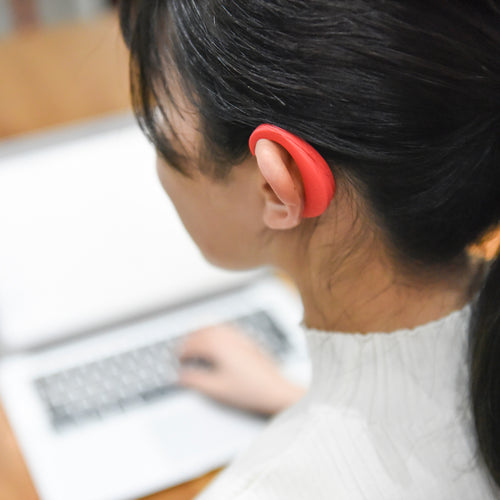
<point>485,370</point>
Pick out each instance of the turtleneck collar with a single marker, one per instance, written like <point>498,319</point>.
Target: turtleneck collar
<point>391,376</point>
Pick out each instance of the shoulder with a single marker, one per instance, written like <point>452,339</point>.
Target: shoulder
<point>319,453</point>
<point>333,454</point>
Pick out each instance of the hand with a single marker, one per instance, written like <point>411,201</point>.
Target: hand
<point>225,364</point>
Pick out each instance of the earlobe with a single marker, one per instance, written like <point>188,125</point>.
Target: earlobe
<point>281,187</point>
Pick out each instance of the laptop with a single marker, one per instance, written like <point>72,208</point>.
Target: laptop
<point>99,283</point>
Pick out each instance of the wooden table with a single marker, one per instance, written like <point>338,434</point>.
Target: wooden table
<point>47,78</point>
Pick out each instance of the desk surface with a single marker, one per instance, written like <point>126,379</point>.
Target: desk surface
<point>51,77</point>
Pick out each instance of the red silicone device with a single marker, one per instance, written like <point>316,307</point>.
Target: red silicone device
<point>319,184</point>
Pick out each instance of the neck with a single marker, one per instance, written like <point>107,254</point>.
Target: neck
<point>359,288</point>
<point>376,298</point>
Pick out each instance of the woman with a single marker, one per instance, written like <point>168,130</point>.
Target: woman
<point>402,101</point>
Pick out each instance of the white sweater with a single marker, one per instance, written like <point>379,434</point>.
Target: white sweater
<point>386,417</point>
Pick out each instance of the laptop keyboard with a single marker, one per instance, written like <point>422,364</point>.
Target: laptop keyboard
<point>133,378</point>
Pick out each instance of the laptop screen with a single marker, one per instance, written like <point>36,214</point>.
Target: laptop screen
<point>87,236</point>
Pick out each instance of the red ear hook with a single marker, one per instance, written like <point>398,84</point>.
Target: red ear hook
<point>319,184</point>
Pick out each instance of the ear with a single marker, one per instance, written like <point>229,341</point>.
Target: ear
<point>281,186</point>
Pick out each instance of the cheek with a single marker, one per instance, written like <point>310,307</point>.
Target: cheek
<point>182,194</point>
<point>198,214</point>
<point>214,218</point>
<point>167,177</point>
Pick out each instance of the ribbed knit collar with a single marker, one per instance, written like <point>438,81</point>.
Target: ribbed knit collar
<point>391,376</point>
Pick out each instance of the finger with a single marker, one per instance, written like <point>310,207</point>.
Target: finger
<point>196,362</point>
<point>207,342</point>
<point>214,334</point>
<point>196,345</point>
<point>187,355</point>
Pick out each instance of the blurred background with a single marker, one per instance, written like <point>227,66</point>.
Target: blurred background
<point>60,61</point>
<point>24,14</point>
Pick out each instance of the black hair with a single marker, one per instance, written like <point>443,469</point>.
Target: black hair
<point>402,97</point>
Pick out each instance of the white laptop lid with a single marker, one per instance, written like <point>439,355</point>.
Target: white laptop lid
<point>87,236</point>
